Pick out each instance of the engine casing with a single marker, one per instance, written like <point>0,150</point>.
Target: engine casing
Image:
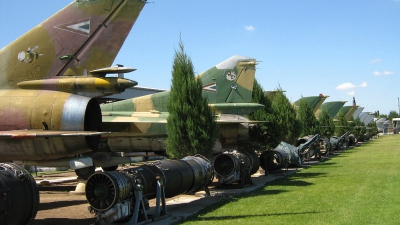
<point>19,195</point>
<point>111,192</point>
<point>47,110</point>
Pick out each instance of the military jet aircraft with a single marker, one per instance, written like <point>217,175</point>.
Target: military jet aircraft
<point>331,107</point>
<point>315,102</point>
<point>47,79</point>
<point>139,124</point>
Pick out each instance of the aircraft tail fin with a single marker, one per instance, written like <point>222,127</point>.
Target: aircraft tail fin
<point>83,36</point>
<point>230,81</point>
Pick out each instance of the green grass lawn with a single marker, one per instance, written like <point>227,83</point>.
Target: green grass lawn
<point>359,186</point>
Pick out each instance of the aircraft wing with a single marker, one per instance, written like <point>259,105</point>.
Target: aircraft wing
<point>163,120</point>
<point>46,133</point>
<point>238,121</point>
<point>133,119</point>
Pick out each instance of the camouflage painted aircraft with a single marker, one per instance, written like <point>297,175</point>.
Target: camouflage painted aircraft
<point>47,77</point>
<point>331,107</point>
<point>48,74</point>
<point>348,111</point>
<point>140,123</point>
<point>315,102</point>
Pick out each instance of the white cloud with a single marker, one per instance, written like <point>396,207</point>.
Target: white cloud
<point>375,61</point>
<point>249,28</point>
<point>388,72</point>
<point>345,86</point>
<point>351,93</point>
<point>363,84</point>
<point>378,73</point>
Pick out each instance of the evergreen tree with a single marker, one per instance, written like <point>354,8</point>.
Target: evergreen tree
<point>327,124</point>
<point>191,126</point>
<point>372,129</point>
<point>305,115</point>
<point>358,128</point>
<point>392,114</point>
<point>341,125</point>
<point>286,117</point>
<point>263,135</point>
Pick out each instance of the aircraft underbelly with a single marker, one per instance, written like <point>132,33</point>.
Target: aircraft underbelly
<point>41,148</point>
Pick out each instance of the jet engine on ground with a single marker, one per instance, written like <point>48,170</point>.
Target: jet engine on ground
<point>327,146</point>
<point>339,143</point>
<point>119,195</point>
<point>313,151</point>
<point>19,195</point>
<point>284,155</point>
<point>236,167</point>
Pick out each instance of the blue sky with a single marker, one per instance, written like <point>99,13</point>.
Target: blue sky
<point>340,48</point>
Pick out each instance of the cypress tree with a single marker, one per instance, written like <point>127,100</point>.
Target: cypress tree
<point>358,128</point>
<point>191,126</point>
<point>341,125</point>
<point>327,125</point>
<point>372,129</point>
<point>305,115</point>
<point>264,135</point>
<point>286,117</point>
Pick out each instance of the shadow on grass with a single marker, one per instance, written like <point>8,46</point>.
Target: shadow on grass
<point>343,153</point>
<point>269,192</point>
<point>307,175</point>
<point>326,163</point>
<point>290,182</point>
<point>214,218</point>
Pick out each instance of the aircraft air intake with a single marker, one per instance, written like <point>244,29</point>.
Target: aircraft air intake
<point>236,167</point>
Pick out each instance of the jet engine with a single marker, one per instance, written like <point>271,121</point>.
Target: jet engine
<point>339,143</point>
<point>19,195</point>
<point>236,167</point>
<point>285,155</point>
<point>312,151</point>
<point>46,124</point>
<point>327,146</point>
<point>124,194</point>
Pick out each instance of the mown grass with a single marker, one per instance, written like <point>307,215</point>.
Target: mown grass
<point>359,186</point>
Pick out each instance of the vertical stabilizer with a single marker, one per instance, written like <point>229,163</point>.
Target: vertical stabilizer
<point>230,81</point>
<point>85,35</point>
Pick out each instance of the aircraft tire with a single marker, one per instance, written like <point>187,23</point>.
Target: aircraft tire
<point>85,173</point>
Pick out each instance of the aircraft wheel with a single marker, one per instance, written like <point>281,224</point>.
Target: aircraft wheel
<point>110,168</point>
<point>85,173</point>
